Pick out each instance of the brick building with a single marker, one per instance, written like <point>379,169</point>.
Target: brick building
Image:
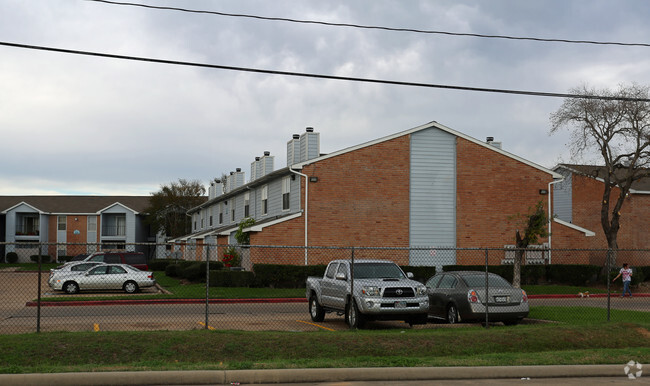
<point>577,202</point>
<point>429,186</point>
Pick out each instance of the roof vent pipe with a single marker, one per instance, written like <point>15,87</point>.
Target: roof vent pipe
<point>238,170</point>
<point>296,136</point>
<point>267,153</point>
<point>309,129</point>
<point>490,139</point>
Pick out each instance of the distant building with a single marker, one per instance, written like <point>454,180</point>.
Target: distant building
<point>93,222</point>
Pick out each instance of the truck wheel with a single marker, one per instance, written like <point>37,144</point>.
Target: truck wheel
<point>354,318</point>
<point>316,310</point>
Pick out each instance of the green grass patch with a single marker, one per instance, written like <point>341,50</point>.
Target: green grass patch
<point>612,343</point>
<point>560,290</point>
<point>588,315</point>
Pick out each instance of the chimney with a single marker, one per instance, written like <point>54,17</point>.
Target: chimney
<point>293,150</point>
<point>217,188</point>
<point>266,164</point>
<point>309,145</point>
<point>490,141</point>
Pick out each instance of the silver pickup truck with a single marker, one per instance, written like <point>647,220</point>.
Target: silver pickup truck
<point>380,291</point>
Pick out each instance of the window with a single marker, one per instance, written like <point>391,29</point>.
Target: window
<point>92,223</point>
<point>286,189</point>
<point>247,202</point>
<point>61,223</point>
<point>330,271</point>
<point>221,213</point>
<point>265,199</point>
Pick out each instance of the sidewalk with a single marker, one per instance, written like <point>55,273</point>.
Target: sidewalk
<point>288,376</point>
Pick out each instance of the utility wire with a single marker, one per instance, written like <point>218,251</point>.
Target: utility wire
<point>507,37</point>
<point>319,76</point>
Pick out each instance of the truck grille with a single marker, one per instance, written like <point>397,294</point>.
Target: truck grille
<point>399,292</point>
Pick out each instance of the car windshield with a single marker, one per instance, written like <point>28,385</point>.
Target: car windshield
<point>377,271</point>
<point>478,281</point>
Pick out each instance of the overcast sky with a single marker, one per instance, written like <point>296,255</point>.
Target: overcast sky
<point>73,124</point>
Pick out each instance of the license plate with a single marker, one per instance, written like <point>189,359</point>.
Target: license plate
<point>400,304</point>
<point>501,299</point>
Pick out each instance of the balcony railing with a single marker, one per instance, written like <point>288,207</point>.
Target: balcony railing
<point>119,230</point>
<point>26,230</point>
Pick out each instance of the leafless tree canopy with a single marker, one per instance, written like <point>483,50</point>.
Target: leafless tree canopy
<point>617,132</point>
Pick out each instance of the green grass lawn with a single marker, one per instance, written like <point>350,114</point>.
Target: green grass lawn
<point>539,344</point>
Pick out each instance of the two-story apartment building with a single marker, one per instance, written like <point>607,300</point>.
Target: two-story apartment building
<point>429,186</point>
<point>69,225</point>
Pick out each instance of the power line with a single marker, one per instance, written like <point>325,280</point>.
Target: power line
<point>348,25</point>
<point>317,76</point>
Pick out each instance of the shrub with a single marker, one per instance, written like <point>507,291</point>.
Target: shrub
<point>573,274</point>
<point>44,258</point>
<point>285,276</point>
<point>12,257</point>
<point>227,278</point>
<point>160,264</point>
<point>173,270</point>
<point>421,274</point>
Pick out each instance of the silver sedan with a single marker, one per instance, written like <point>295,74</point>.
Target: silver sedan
<point>105,277</point>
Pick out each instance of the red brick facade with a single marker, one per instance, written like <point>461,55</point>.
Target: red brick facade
<point>491,190</point>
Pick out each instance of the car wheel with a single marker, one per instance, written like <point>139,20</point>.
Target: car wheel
<point>355,318</point>
<point>130,287</point>
<point>316,310</point>
<point>452,314</point>
<point>71,287</point>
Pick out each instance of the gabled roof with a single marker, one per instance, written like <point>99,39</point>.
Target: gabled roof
<point>74,204</point>
<point>429,125</point>
<point>598,172</point>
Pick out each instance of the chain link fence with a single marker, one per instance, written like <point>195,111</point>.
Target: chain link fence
<point>229,287</point>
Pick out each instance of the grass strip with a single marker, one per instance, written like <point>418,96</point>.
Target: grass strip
<point>203,349</point>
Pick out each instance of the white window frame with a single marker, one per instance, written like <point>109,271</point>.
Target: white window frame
<point>265,200</point>
<point>92,224</point>
<point>286,193</point>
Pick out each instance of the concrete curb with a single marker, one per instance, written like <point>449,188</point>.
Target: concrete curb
<point>227,377</point>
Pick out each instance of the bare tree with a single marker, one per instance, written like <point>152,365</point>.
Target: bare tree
<point>616,129</point>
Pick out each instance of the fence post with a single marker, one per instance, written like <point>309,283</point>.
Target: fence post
<point>38,298</point>
<point>207,283</point>
<point>487,297</point>
<point>608,284</point>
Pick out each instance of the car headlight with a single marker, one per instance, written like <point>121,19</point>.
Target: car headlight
<point>370,290</point>
<point>422,290</point>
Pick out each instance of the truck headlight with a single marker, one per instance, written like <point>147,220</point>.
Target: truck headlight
<point>370,290</point>
<point>421,290</point>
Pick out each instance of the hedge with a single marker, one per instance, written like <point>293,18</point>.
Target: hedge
<point>227,278</point>
<point>420,273</point>
<point>285,276</point>
<point>568,274</point>
<point>44,258</point>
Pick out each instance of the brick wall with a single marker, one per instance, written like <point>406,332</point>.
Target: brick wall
<point>491,189</point>
<point>587,195</point>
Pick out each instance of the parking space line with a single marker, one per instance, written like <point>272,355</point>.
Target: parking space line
<point>209,327</point>
<point>317,325</point>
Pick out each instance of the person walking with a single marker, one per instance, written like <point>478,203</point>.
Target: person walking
<point>626,273</point>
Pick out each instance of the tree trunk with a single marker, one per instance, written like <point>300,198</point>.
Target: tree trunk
<point>519,258</point>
